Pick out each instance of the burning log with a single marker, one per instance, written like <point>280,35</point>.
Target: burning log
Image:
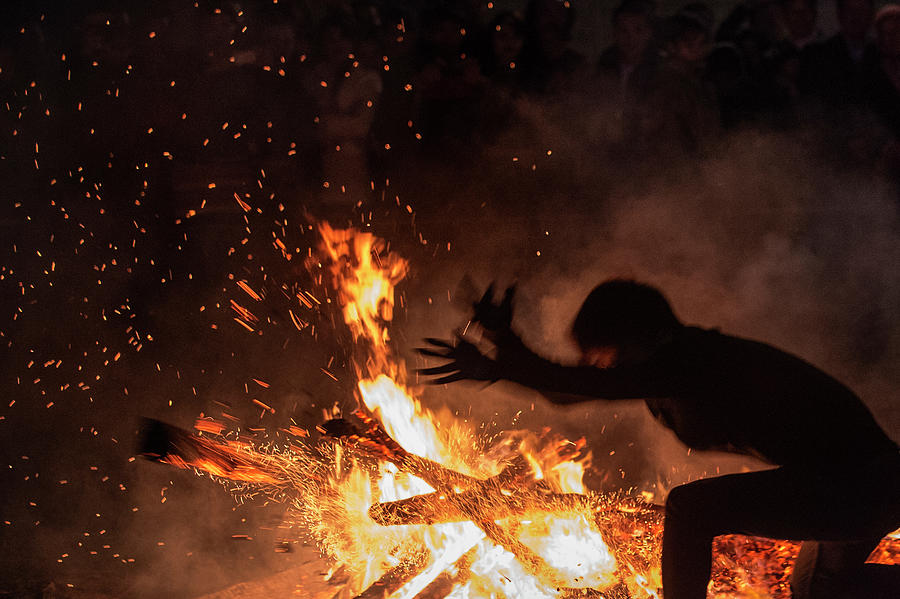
<point>375,440</point>
<point>506,496</point>
<point>396,577</point>
<point>280,474</point>
<point>619,591</point>
<point>483,501</point>
<point>445,582</point>
<point>161,442</point>
<point>630,527</point>
<point>489,504</point>
<point>441,586</point>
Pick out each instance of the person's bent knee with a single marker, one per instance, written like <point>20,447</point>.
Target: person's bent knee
<point>695,506</point>
<point>833,570</point>
<point>682,501</point>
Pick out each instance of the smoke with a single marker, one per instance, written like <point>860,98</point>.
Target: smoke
<point>763,239</point>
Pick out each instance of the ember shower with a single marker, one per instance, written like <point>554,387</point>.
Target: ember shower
<point>406,497</point>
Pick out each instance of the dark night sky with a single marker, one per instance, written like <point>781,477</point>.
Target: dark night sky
<point>138,191</point>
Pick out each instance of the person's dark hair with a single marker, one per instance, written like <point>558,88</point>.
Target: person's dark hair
<point>814,4</point>
<point>842,4</point>
<point>534,8</point>
<point>621,312</point>
<point>337,18</point>
<point>693,18</point>
<point>646,8</point>
<point>507,17</point>
<point>486,55</point>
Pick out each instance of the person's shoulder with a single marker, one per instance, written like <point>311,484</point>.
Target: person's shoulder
<point>824,49</point>
<point>871,57</point>
<point>688,340</point>
<point>609,59</point>
<point>715,335</point>
<point>572,60</point>
<point>668,78</point>
<point>696,349</point>
<point>724,347</point>
<point>714,342</point>
<point>694,332</point>
<point>834,43</point>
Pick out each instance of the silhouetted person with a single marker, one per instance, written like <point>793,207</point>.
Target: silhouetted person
<point>781,87</point>
<point>799,18</point>
<point>836,484</point>
<point>884,90</point>
<point>552,67</point>
<point>626,71</point>
<point>779,78</point>
<point>884,84</point>
<point>448,86</point>
<point>501,57</point>
<point>834,70</point>
<point>392,141</point>
<point>348,86</point>
<point>679,116</point>
<point>501,65</point>
<point>754,65</point>
<point>737,65</point>
<point>633,46</point>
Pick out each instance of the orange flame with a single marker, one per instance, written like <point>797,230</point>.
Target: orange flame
<point>542,548</point>
<point>365,281</point>
<point>365,277</point>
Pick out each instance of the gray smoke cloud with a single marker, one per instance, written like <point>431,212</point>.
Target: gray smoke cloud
<point>761,239</point>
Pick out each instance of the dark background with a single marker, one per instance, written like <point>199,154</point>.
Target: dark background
<point>129,127</point>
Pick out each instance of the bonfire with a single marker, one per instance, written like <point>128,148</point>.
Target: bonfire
<point>408,503</point>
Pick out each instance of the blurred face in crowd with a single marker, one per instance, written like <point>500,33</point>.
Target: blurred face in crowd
<point>889,38</point>
<point>281,41</point>
<point>855,17</point>
<point>507,41</point>
<point>691,47</point>
<point>768,18</point>
<point>336,44</point>
<point>632,36</point>
<point>550,26</point>
<point>447,37</point>
<point>800,18</point>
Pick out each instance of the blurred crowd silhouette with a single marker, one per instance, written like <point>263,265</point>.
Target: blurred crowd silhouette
<point>338,97</point>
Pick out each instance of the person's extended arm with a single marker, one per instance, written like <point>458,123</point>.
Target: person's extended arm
<point>518,364</point>
<point>515,362</point>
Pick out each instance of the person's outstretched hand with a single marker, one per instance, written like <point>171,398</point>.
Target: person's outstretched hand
<point>495,318</point>
<point>467,362</point>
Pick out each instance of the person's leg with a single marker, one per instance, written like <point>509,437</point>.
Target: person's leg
<point>846,504</point>
<point>772,503</point>
<point>882,581</point>
<point>830,569</point>
<point>862,506</point>
<point>687,543</point>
